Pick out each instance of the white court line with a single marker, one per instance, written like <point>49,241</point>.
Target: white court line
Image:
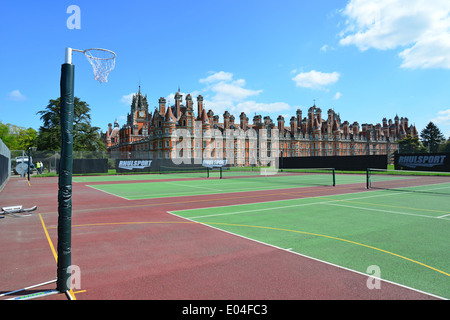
<point>191,186</point>
<point>110,193</point>
<point>381,210</point>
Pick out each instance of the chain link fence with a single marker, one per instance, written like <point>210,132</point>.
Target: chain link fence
<point>50,159</point>
<point>5,164</point>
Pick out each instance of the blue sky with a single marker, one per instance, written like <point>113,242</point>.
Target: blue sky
<point>365,59</point>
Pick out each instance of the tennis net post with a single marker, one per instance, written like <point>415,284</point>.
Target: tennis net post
<point>368,178</point>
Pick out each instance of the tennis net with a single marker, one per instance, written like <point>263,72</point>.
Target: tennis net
<point>199,171</point>
<point>409,181</point>
<point>303,176</point>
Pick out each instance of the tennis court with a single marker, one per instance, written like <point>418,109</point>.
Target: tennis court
<point>402,233</point>
<point>314,234</point>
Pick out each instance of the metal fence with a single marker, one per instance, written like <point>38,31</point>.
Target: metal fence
<point>5,164</point>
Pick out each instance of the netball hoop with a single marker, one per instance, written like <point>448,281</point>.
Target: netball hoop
<point>103,62</point>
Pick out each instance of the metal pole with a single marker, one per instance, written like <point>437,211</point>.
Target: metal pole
<point>68,56</point>
<point>367,178</point>
<point>29,164</point>
<point>334,177</point>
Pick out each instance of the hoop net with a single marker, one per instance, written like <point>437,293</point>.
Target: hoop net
<point>102,61</point>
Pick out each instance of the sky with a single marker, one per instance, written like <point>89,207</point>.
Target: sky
<point>364,59</point>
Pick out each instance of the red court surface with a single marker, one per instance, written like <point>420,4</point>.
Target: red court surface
<point>135,250</point>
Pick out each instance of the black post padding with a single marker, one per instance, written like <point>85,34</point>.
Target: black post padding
<point>65,178</point>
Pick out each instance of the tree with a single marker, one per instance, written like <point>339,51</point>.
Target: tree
<point>27,138</point>
<point>8,139</point>
<point>85,137</point>
<point>17,138</point>
<point>411,145</point>
<point>445,147</point>
<point>432,137</point>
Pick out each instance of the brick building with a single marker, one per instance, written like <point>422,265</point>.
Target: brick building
<point>151,135</point>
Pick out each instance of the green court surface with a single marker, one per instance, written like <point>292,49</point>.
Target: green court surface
<point>162,189</point>
<point>405,234</point>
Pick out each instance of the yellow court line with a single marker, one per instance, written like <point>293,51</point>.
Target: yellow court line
<point>79,291</point>
<point>48,239</point>
<point>334,238</point>
<point>72,294</point>
<point>55,255</point>
<point>130,223</point>
<point>270,228</point>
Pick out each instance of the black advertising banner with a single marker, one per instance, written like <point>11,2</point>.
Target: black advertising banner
<point>352,163</point>
<point>423,162</point>
<point>133,165</point>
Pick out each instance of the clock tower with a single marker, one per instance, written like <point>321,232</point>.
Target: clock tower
<point>139,107</point>
<point>138,119</point>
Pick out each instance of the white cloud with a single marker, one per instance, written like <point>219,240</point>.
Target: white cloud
<point>325,48</point>
<point>443,120</point>
<point>218,76</point>
<point>233,91</point>
<point>433,52</point>
<point>223,93</point>
<point>250,107</point>
<point>127,99</point>
<point>15,95</point>
<point>443,117</point>
<point>226,89</point>
<point>315,79</point>
<point>337,96</point>
<point>420,27</point>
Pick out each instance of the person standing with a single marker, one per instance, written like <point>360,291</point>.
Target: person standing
<point>38,167</point>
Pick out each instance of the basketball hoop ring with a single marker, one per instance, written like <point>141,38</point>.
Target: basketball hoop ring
<point>102,60</point>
